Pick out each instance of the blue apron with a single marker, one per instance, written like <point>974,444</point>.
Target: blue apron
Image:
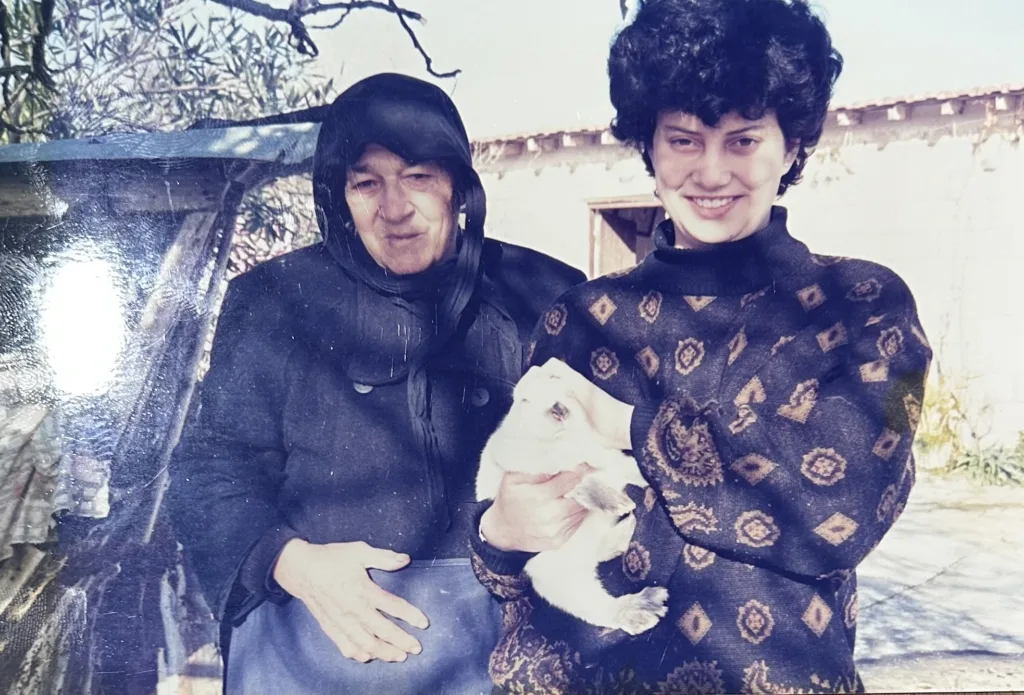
<point>281,648</point>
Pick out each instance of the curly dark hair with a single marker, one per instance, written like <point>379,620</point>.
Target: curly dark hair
<point>713,57</point>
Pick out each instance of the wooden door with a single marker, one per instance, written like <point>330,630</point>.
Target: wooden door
<point>621,236</point>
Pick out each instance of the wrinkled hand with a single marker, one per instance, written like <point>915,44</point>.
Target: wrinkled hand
<point>531,514</point>
<point>608,415</point>
<point>332,581</point>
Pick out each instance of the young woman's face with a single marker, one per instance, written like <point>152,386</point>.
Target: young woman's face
<point>402,212</point>
<point>718,184</point>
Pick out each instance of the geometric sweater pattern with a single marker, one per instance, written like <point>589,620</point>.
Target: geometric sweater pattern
<point>776,397</point>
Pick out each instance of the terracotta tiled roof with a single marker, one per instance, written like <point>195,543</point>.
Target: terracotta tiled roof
<point>526,135</point>
<point>881,103</point>
<point>976,93</point>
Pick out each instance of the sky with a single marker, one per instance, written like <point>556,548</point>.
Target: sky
<point>536,65</point>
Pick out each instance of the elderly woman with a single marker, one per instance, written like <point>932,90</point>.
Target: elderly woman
<point>769,394</point>
<point>324,484</point>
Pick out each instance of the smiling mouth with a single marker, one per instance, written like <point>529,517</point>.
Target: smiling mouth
<point>712,203</point>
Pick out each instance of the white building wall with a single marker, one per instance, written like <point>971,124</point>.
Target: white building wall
<point>543,204</point>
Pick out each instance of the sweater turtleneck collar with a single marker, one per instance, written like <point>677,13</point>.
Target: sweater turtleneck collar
<point>731,268</point>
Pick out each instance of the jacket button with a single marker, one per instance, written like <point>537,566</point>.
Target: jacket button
<point>480,397</point>
<point>362,388</point>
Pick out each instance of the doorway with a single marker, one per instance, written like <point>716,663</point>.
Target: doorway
<point>621,232</point>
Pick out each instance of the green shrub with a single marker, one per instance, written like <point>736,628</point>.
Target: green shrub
<point>992,465</point>
<point>946,430</point>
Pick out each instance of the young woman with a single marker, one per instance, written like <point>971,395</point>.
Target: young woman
<point>769,394</point>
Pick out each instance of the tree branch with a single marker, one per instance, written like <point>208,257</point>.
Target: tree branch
<point>276,14</point>
<point>335,24</point>
<point>11,99</point>
<point>294,15</point>
<point>365,5</point>
<point>39,37</point>
<point>4,125</point>
<point>416,43</point>
<point>191,89</point>
<point>304,42</point>
<point>5,51</point>
<point>15,70</point>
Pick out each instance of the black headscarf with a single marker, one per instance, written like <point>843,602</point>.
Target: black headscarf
<point>418,122</point>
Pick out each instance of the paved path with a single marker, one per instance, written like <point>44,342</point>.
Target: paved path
<point>942,597</point>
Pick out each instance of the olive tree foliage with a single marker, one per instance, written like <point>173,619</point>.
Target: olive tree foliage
<point>73,68</point>
<point>82,68</point>
<point>76,68</point>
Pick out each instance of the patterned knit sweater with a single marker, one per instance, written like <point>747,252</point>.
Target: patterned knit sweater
<point>777,394</point>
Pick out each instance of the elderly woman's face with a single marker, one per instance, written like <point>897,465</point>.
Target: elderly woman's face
<point>718,184</point>
<point>402,212</point>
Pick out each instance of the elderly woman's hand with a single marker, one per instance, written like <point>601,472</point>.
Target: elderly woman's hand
<point>609,416</point>
<point>332,581</point>
<point>531,513</point>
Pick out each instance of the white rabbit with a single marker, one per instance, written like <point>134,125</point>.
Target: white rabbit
<point>546,432</point>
